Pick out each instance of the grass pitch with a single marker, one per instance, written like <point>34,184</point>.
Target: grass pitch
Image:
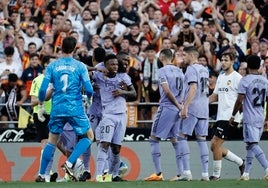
<point>142,184</point>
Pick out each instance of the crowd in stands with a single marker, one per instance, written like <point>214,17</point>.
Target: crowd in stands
<point>31,33</point>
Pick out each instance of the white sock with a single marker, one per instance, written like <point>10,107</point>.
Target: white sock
<point>230,156</point>
<point>217,168</point>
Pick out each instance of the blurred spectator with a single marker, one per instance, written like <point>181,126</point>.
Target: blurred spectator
<point>120,28</point>
<point>92,18</point>
<point>248,16</point>
<point>2,35</point>
<point>198,26</point>
<point>165,7</point>
<point>164,33</point>
<point>144,44</point>
<point>148,7</point>
<point>47,49</point>
<point>212,83</point>
<point>199,7</point>
<point>31,72</point>
<point>124,45</point>
<point>56,6</point>
<point>254,48</point>
<point>108,45</point>
<point>15,96</point>
<point>57,22</point>
<point>263,49</point>
<point>134,58</point>
<point>263,53</point>
<point>229,18</point>
<point>9,65</point>
<point>157,21</point>
<point>165,44</point>
<point>177,22</point>
<point>203,60</point>
<point>235,37</point>
<point>9,39</point>
<point>205,23</point>
<point>128,16</point>
<point>30,35</point>
<point>243,68</point>
<point>212,36</point>
<point>264,14</point>
<point>148,29</point>
<point>181,9</point>
<point>93,43</point>
<point>74,15</point>
<point>178,58</point>
<point>207,49</point>
<point>186,34</point>
<point>25,55</point>
<point>150,80</point>
<point>62,31</point>
<point>264,68</point>
<point>109,29</point>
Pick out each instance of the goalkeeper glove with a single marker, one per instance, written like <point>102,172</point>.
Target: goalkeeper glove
<point>41,112</point>
<point>87,100</point>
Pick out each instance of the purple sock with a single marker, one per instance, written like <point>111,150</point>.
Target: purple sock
<point>156,154</point>
<point>178,158</point>
<point>185,151</point>
<point>260,156</point>
<point>101,158</point>
<point>204,154</point>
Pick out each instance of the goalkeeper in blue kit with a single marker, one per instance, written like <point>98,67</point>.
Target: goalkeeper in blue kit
<point>68,76</point>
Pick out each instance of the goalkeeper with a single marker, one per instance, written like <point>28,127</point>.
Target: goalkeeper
<point>67,76</point>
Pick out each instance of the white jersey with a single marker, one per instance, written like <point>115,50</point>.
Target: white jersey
<point>241,40</point>
<point>226,89</point>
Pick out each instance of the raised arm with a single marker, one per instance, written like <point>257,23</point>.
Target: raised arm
<point>215,18</point>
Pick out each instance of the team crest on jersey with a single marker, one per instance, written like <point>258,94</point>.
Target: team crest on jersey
<point>228,82</point>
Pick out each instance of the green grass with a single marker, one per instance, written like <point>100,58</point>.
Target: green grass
<point>142,184</point>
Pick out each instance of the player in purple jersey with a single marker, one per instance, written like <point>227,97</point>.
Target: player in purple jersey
<point>67,76</point>
<point>166,122</point>
<point>113,123</point>
<point>94,111</point>
<point>194,113</point>
<point>225,93</point>
<point>252,94</point>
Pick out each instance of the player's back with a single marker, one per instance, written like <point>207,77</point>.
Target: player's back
<point>197,73</point>
<point>67,76</point>
<point>174,78</point>
<point>255,88</point>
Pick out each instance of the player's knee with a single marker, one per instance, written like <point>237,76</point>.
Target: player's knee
<point>181,137</point>
<point>105,145</point>
<point>174,140</point>
<point>201,138</point>
<point>82,136</point>
<point>250,145</point>
<point>153,139</point>
<point>90,134</point>
<point>213,145</point>
<point>115,149</point>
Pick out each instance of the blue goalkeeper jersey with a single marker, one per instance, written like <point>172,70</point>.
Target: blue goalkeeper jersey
<point>67,76</point>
